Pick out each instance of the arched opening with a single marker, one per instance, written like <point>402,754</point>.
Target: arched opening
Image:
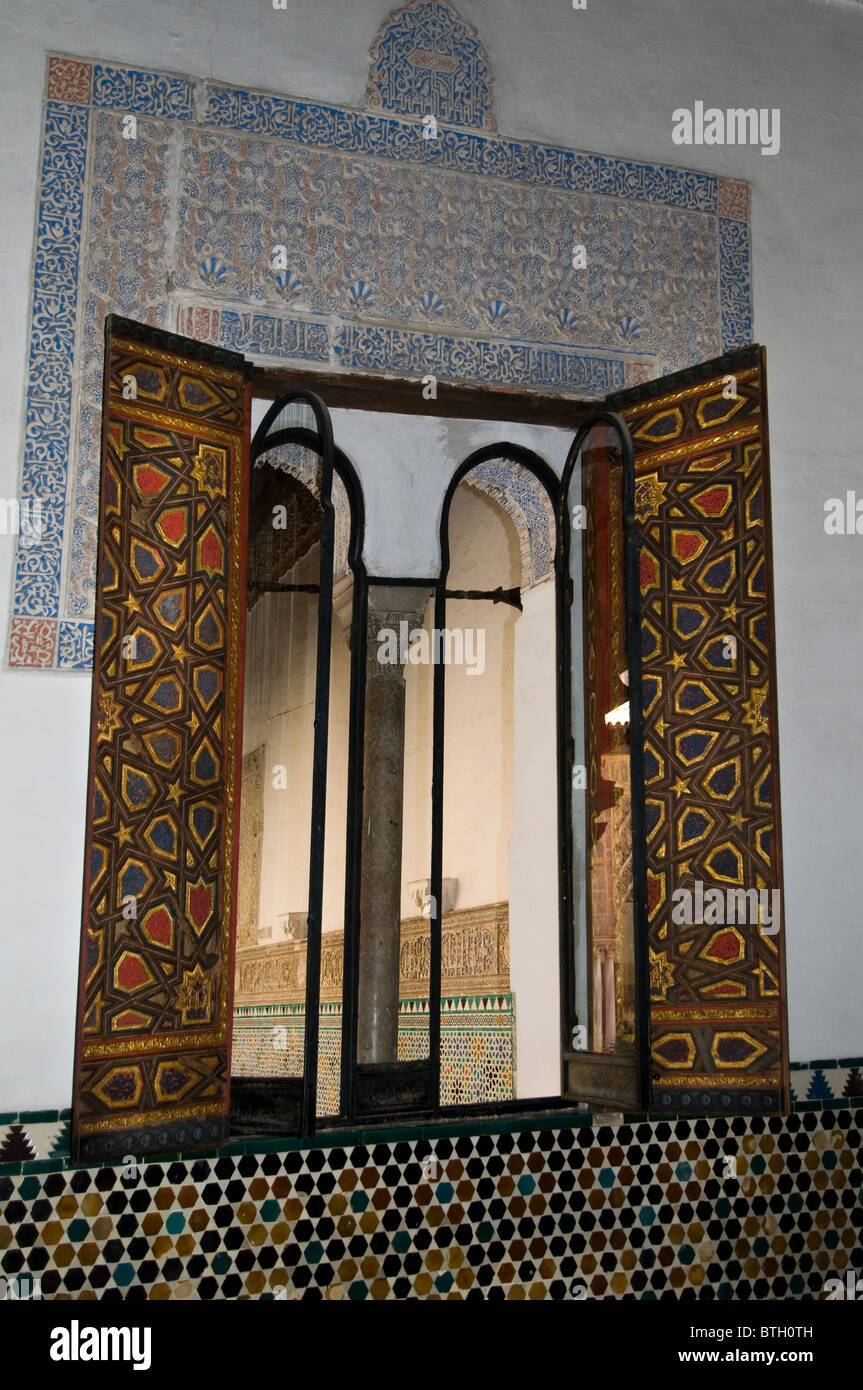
<point>287,550</point>
<point>605,1039</point>
<point>495,643</point>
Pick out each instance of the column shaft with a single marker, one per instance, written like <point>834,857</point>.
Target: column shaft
<point>383,784</point>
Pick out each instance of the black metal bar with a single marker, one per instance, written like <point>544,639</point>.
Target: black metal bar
<point>499,595</point>
<point>323,444</point>
<point>354,838</point>
<point>436,865</point>
<point>356,718</point>
<point>343,467</point>
<point>452,1114</point>
<point>319,774</point>
<point>389,582</point>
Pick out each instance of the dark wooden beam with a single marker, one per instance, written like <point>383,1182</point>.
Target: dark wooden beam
<point>397,395</point>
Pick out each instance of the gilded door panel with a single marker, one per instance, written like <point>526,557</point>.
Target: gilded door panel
<point>715,923</point>
<point>160,873</point>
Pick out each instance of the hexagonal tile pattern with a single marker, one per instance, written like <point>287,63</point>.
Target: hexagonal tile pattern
<point>755,1207</point>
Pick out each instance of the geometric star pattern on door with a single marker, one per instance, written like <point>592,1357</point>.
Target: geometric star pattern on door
<point>709,730</point>
<point>152,1042</point>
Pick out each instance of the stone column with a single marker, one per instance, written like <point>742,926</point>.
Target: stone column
<point>383,779</point>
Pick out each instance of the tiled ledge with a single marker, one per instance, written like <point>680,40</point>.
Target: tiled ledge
<point>834,1083</point>
<point>515,1123</point>
<point>816,1086</point>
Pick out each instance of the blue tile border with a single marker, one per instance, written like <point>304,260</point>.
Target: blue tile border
<point>151,93</point>
<point>400,138</point>
<point>51,353</point>
<point>735,288</point>
<point>75,650</point>
<point>826,1081</point>
<point>46,634</point>
<point>274,335</point>
<point>494,360</point>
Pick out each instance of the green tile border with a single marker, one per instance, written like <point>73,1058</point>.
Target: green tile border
<point>34,1117</point>
<point>349,1138</point>
<point>367,1138</point>
<point>425,1129</point>
<point>831,1063</point>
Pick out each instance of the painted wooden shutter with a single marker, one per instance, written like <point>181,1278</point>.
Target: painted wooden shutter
<point>717,992</point>
<point>154,1023</point>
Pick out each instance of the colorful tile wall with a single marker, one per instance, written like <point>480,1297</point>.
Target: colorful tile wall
<point>161,197</point>
<point>478,1058</point>
<point>268,1040</point>
<point>477,1046</point>
<point>750,1208</point>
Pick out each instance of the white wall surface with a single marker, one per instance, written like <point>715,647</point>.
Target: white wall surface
<point>479,704</point>
<point>606,79</point>
<point>534,912</point>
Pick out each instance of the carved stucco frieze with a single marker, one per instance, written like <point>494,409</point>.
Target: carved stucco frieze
<point>474,958</point>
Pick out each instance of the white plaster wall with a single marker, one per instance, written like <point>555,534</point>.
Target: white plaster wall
<point>405,463</point>
<point>606,78</point>
<point>278,715</point>
<point>500,744</point>
<point>478,708</point>
<point>534,940</point>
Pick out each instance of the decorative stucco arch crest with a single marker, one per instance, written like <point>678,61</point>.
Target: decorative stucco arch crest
<point>426,61</point>
<point>303,464</point>
<point>527,504</point>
